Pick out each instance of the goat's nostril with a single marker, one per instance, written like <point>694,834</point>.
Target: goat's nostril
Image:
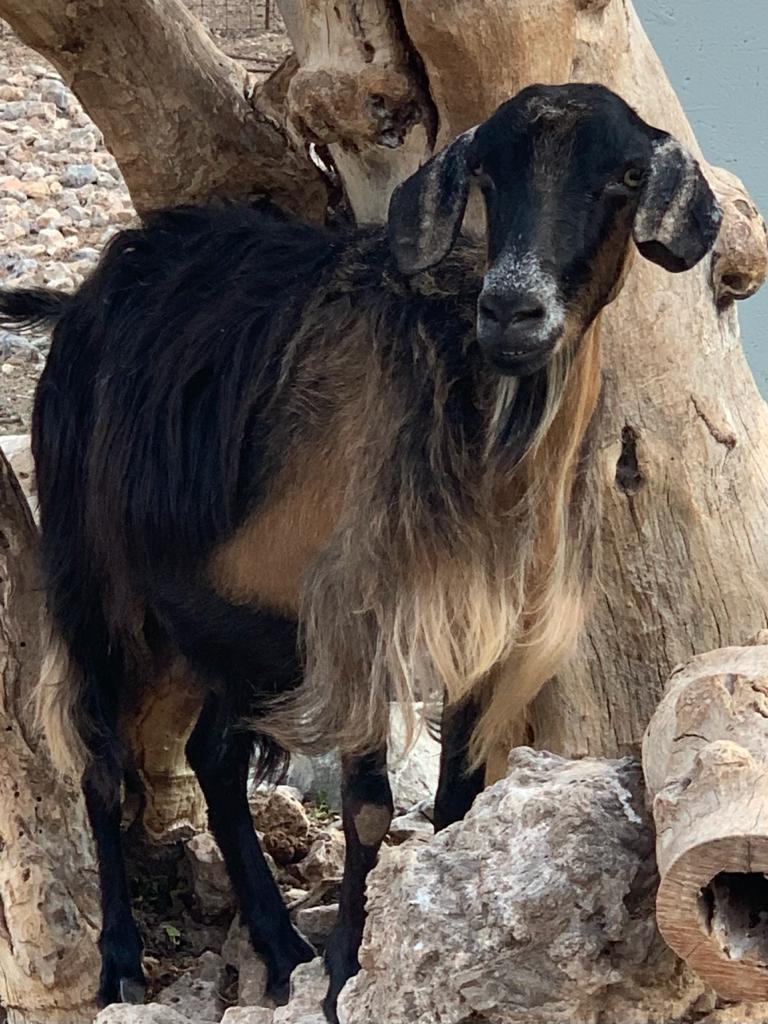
<point>511,310</point>
<point>489,311</point>
<point>530,315</point>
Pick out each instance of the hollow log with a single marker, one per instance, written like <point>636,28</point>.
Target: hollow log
<point>49,907</point>
<point>705,758</point>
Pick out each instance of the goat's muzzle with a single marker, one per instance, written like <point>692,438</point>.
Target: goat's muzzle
<point>518,330</point>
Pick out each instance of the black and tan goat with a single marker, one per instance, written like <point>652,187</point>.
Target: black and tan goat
<point>333,470</point>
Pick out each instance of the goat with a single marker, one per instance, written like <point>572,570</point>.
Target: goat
<point>328,470</point>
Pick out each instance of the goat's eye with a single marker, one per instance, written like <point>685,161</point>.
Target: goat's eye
<point>633,177</point>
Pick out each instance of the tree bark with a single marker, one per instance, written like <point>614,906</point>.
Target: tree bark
<point>48,882</point>
<point>684,438</point>
<point>185,123</point>
<point>359,92</point>
<point>705,759</point>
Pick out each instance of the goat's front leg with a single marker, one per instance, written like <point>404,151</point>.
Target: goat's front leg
<point>219,754</point>
<point>459,783</point>
<point>367,810</point>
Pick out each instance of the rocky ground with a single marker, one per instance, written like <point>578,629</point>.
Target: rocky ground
<point>198,959</point>
<point>61,198</point>
<point>61,195</point>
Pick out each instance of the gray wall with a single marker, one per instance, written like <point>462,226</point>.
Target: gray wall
<point>716,54</point>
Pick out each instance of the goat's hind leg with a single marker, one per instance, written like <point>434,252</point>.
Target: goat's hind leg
<point>122,977</point>
<point>367,812</point>
<point>219,753</point>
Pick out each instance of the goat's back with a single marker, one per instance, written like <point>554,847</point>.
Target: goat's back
<point>154,373</point>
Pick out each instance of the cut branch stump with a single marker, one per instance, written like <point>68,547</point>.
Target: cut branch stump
<point>705,758</point>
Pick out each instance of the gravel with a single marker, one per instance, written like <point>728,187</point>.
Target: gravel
<point>61,198</point>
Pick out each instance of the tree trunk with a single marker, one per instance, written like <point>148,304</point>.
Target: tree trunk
<point>48,882</point>
<point>358,92</point>
<point>184,121</point>
<point>683,449</point>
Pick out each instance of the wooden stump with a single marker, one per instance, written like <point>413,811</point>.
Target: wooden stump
<point>705,757</point>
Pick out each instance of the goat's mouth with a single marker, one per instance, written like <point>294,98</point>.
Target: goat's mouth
<point>520,347</point>
<point>520,357</point>
<point>518,364</point>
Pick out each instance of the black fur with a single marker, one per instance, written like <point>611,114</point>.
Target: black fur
<point>161,415</point>
<point>365,787</point>
<point>31,308</point>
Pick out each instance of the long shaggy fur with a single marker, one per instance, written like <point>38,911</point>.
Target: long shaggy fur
<point>171,405</point>
<point>417,595</point>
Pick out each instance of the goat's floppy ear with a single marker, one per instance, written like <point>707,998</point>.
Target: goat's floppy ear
<point>426,211</point>
<point>678,218</point>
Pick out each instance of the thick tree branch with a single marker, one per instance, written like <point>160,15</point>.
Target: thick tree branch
<point>359,91</point>
<point>179,116</point>
<point>48,883</point>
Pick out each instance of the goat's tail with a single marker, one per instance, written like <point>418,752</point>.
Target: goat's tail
<point>80,675</point>
<point>25,309</point>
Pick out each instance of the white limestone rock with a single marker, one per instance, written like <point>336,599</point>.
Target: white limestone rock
<point>210,881</point>
<point>197,994</point>
<point>309,984</point>
<point>414,771</point>
<point>536,909</point>
<point>152,1013</point>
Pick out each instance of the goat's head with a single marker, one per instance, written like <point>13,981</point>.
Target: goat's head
<point>569,175</point>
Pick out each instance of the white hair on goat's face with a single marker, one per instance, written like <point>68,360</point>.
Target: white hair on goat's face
<point>523,273</point>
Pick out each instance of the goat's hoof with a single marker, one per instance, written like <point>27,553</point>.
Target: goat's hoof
<point>131,990</point>
<point>116,988</point>
<point>341,964</point>
<point>329,1009</point>
<point>120,982</point>
<point>296,951</point>
<point>122,979</point>
<point>279,991</point>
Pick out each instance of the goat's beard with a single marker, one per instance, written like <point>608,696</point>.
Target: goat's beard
<point>408,601</point>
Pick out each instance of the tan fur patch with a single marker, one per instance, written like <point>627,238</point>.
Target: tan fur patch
<point>57,705</point>
<point>263,563</point>
<point>372,822</point>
